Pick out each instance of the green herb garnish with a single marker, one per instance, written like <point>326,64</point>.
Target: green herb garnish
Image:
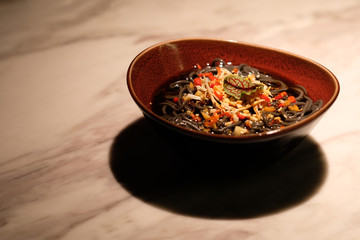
<point>237,86</point>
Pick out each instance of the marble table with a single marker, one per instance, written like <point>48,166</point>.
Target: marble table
<point>79,161</point>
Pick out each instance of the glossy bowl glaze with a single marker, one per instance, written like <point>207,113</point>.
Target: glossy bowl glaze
<point>152,69</point>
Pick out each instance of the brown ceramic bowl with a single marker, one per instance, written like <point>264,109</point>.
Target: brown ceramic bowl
<point>152,68</point>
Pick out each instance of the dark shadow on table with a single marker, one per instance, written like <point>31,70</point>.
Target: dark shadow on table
<point>211,180</point>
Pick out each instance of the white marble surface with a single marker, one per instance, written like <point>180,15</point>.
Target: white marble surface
<point>64,102</point>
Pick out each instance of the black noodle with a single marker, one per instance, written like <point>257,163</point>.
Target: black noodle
<point>181,112</point>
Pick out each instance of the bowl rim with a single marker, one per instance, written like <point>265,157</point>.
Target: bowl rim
<point>246,138</point>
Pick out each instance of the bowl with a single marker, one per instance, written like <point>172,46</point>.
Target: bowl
<point>152,69</point>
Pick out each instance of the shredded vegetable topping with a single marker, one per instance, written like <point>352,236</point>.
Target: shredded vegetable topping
<point>234,100</point>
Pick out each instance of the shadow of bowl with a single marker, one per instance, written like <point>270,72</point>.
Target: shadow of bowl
<point>213,180</point>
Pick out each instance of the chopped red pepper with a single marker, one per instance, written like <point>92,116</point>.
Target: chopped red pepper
<point>241,117</point>
<point>280,95</point>
<point>218,70</point>
<point>212,77</point>
<point>225,114</point>
<point>214,83</point>
<point>207,74</point>
<point>291,99</point>
<point>266,98</point>
<point>198,66</point>
<point>197,81</point>
<point>211,120</point>
<point>196,118</point>
<point>175,99</point>
<point>228,115</point>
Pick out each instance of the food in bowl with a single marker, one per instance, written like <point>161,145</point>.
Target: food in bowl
<point>153,69</point>
<point>222,98</point>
